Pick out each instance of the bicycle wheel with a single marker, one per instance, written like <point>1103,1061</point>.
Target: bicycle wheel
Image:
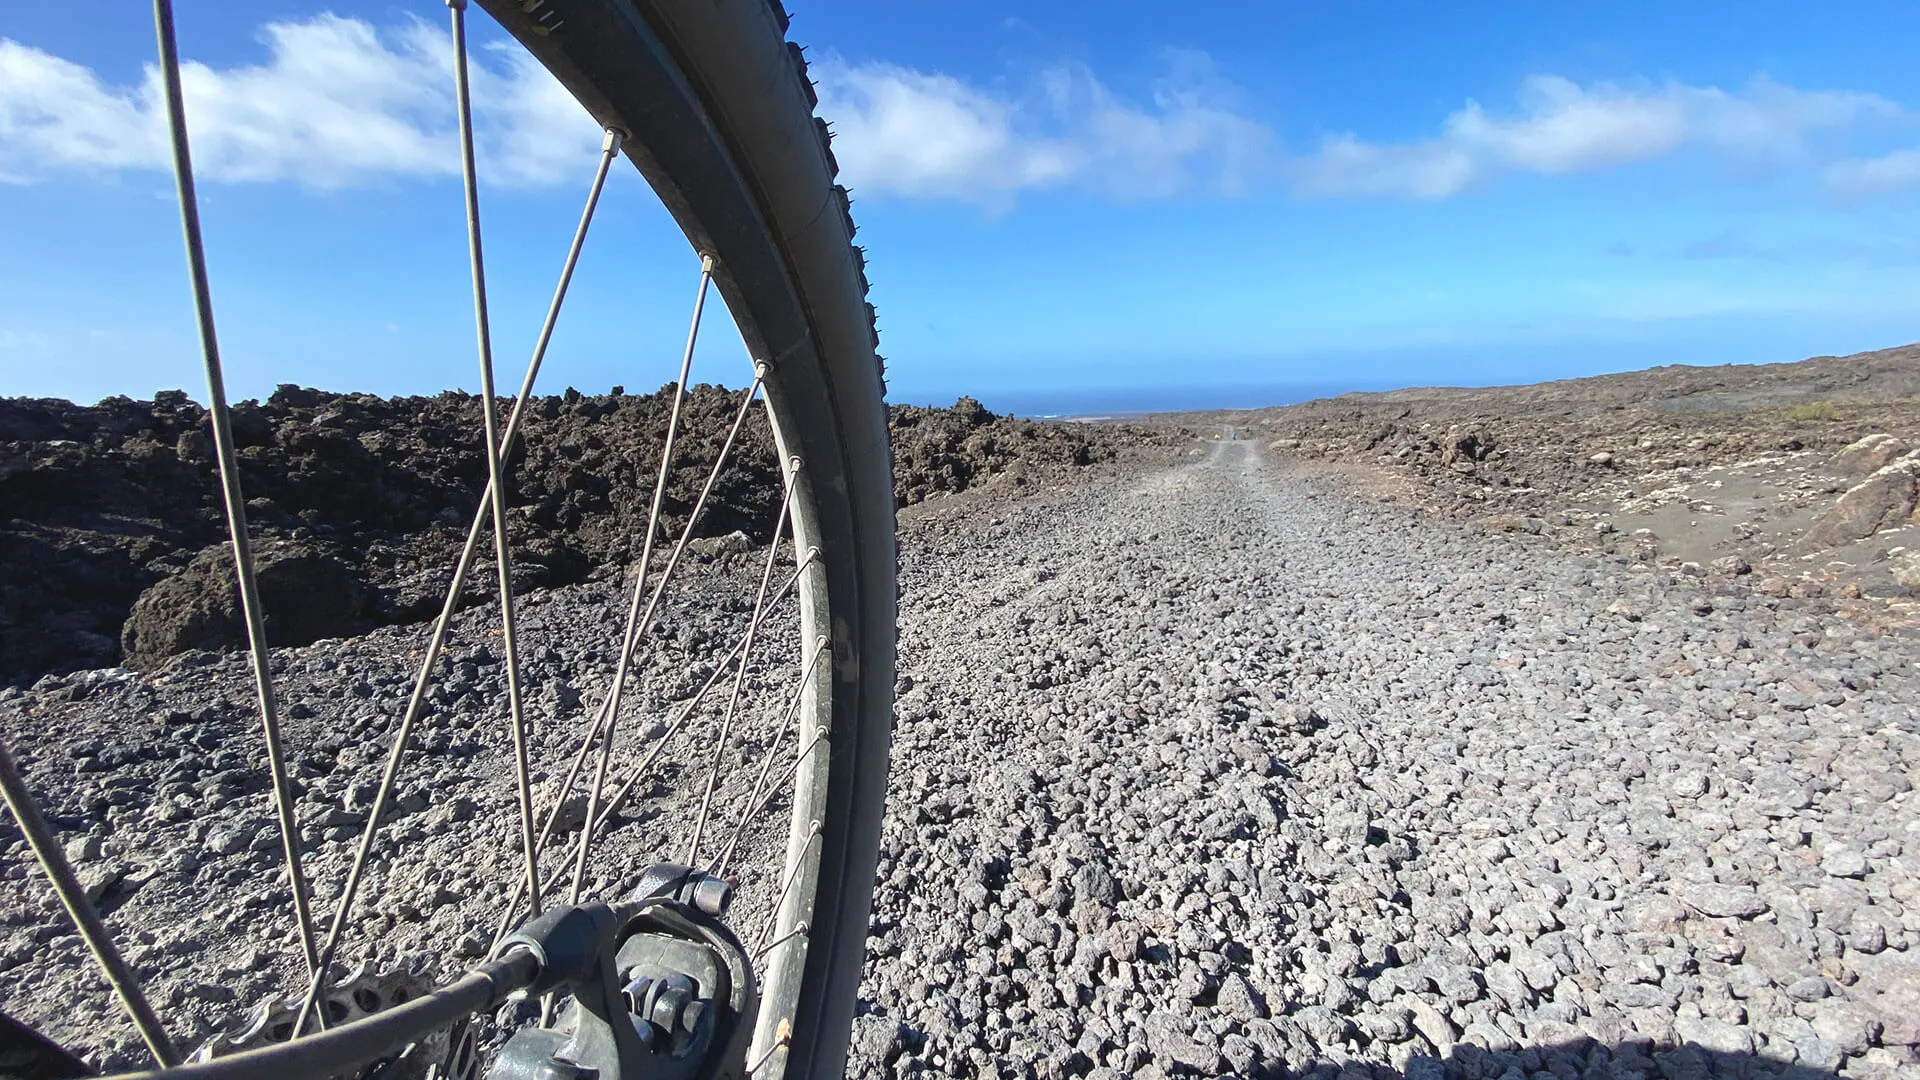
<point>710,103</point>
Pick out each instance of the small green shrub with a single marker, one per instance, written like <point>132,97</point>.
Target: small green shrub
<point>1813,410</point>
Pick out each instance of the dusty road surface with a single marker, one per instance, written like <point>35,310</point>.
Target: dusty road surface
<point>1804,475</point>
<point>1216,771</point>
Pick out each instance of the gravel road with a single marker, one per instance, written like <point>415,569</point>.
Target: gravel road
<point>1203,770</point>
<point>1217,771</point>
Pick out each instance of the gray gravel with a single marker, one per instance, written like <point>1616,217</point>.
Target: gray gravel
<point>158,786</point>
<point>1218,772</point>
<point>1209,771</point>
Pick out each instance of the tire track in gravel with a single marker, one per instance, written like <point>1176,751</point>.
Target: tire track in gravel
<point>1217,771</point>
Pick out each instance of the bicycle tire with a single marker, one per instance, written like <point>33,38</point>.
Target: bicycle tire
<point>718,114</point>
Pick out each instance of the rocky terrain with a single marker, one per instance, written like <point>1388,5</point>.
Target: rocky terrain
<point>158,785</point>
<point>1803,474</point>
<point>1201,770</point>
<point>1224,772</point>
<point>112,538</point>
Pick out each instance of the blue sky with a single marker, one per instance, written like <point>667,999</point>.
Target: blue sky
<point>1065,206</point>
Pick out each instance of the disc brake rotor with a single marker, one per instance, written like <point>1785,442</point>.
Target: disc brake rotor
<point>444,1055</point>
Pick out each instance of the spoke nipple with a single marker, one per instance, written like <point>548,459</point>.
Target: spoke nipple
<point>759,370</point>
<point>794,463</point>
<point>706,263</point>
<point>457,5</point>
<point>615,138</point>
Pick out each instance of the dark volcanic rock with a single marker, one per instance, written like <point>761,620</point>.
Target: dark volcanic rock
<point>308,593</point>
<point>105,505</point>
<point>944,451</point>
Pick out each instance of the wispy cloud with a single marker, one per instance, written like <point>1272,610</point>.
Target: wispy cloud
<point>1876,175</point>
<point>1561,127</point>
<point>929,135</point>
<point>336,104</point>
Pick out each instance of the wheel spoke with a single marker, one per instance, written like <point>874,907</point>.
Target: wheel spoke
<point>609,148</point>
<point>236,504</point>
<point>629,636</point>
<point>779,1044</point>
<point>755,801</point>
<point>799,931</point>
<point>496,477</point>
<point>772,748</point>
<point>639,621</point>
<point>26,813</point>
<point>666,90</point>
<point>436,642</point>
<point>620,796</point>
<point>739,678</point>
<point>760,798</point>
<point>793,875</point>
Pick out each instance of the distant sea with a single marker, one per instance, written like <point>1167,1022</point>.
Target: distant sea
<point>1122,401</point>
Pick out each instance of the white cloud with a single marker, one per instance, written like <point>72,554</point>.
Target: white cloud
<point>1776,123</point>
<point>57,114</point>
<point>1347,167</point>
<point>908,133</point>
<point>1562,127</point>
<point>905,132</point>
<point>335,104</point>
<point>931,135</point>
<point>1875,176</point>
